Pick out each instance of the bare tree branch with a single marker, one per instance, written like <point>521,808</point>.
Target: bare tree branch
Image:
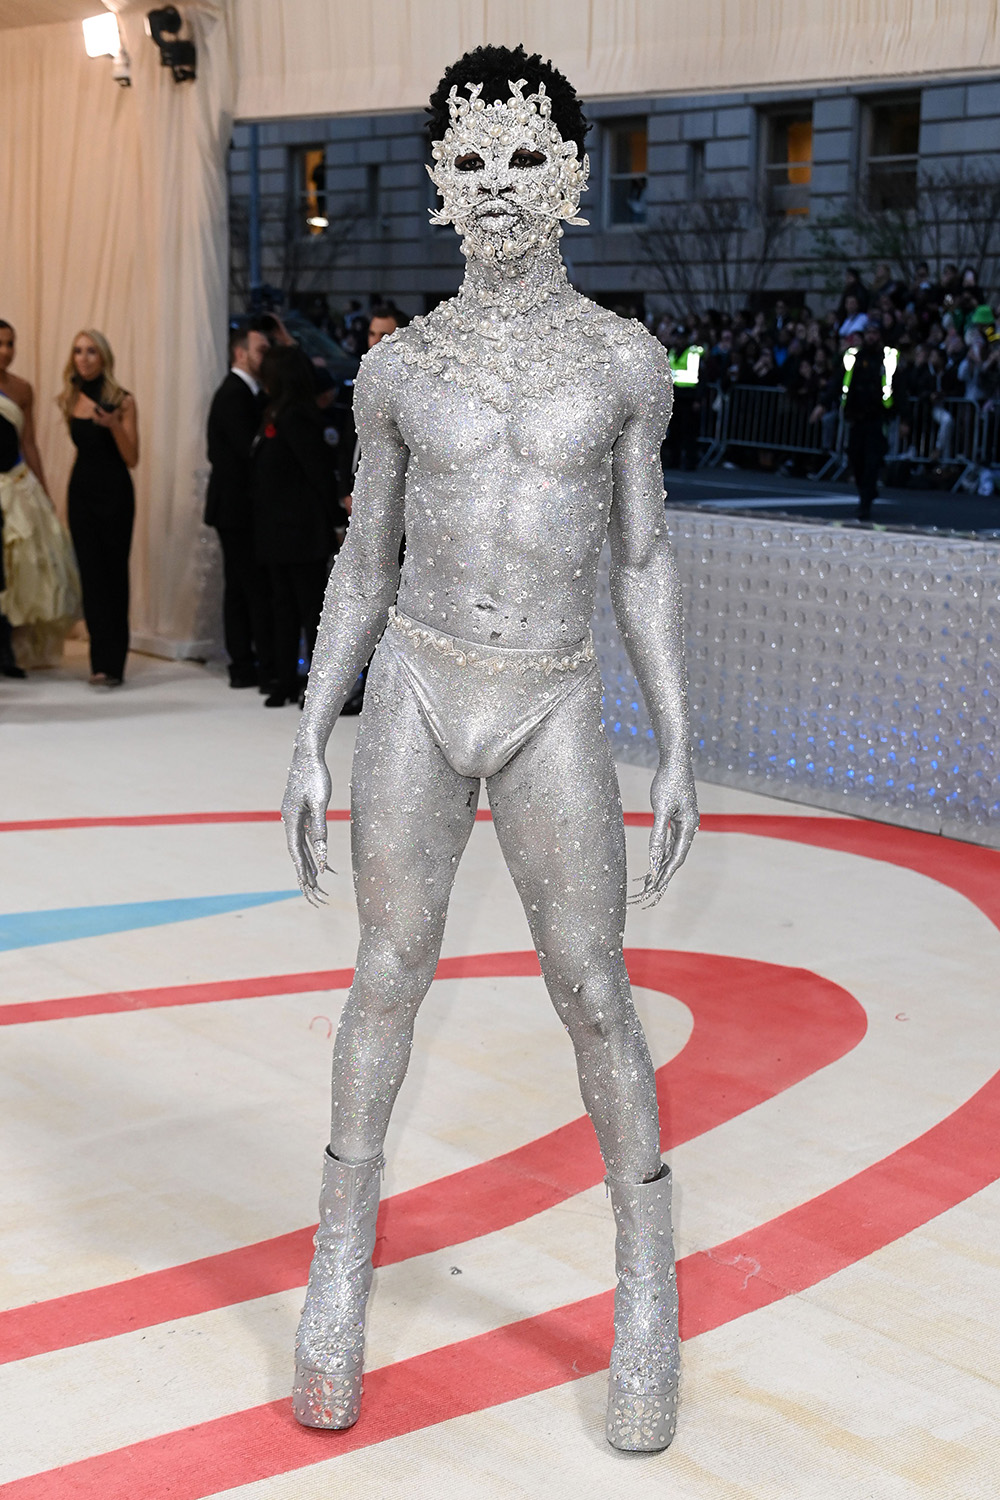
<point>716,252</point>
<point>956,217</point>
<point>291,260</point>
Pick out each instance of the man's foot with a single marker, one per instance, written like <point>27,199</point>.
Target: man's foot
<point>242,679</point>
<point>11,669</point>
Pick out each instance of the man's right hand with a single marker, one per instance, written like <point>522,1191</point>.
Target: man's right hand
<point>303,812</point>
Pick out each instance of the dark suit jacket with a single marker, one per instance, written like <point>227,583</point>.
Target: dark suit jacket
<point>232,426</point>
<point>295,501</point>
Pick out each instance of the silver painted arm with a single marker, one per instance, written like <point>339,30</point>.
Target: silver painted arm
<point>362,586</point>
<point>645,593</point>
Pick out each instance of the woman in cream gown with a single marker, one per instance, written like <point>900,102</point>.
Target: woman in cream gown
<point>41,594</point>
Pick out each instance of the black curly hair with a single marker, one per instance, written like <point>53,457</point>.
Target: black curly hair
<point>496,68</point>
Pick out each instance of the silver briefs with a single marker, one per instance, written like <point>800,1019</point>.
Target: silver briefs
<point>481,703</point>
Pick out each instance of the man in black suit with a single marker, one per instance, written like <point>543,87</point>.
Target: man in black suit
<point>232,426</point>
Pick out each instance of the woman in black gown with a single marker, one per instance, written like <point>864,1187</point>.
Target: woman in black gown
<point>103,425</point>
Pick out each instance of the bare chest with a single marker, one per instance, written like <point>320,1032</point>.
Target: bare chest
<point>451,429</point>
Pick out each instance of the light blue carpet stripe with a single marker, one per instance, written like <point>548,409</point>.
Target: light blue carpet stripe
<point>28,929</point>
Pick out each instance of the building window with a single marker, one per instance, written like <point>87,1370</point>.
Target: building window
<point>892,142</point>
<point>372,190</point>
<point>788,142</point>
<point>696,169</point>
<point>626,171</point>
<point>310,182</point>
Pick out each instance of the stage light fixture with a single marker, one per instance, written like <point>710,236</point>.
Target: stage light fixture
<point>102,38</point>
<point>100,35</point>
<point>180,56</point>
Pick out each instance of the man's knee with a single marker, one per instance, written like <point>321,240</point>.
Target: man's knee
<point>591,993</point>
<point>395,960</point>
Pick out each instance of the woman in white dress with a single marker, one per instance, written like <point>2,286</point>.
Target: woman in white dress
<point>41,594</point>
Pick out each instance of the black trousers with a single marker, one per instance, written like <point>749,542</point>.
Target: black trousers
<point>247,615</point>
<point>680,446</point>
<point>866,448</point>
<point>297,593</point>
<point>6,644</point>
<point>102,538</point>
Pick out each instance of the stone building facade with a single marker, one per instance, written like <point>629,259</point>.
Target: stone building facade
<point>343,202</point>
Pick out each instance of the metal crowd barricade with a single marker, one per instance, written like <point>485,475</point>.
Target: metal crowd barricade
<point>948,430</point>
<point>968,444</point>
<point>770,419</point>
<point>944,430</point>
<point>989,436</point>
<point>712,425</point>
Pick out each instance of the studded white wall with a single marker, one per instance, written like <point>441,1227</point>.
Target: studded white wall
<point>850,669</point>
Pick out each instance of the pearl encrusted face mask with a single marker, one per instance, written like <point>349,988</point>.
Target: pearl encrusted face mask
<point>506,176</point>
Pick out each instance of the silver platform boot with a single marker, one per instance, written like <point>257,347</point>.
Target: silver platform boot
<point>645,1360</point>
<point>330,1342</point>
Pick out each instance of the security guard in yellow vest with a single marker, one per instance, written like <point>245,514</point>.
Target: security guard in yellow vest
<point>685,364</point>
<point>865,411</point>
<point>681,445</point>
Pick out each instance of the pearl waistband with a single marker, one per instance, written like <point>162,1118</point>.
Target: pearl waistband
<point>492,659</point>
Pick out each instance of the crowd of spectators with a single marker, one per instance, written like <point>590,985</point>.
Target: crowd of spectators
<point>353,326</point>
<point>942,329</point>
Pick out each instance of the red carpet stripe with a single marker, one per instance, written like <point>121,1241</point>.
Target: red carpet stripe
<point>143,820</point>
<point>180,820</point>
<point>954,1159</point>
<point>788,1023</point>
<point>72,1006</point>
<point>154,820</point>
<point>460,1378</point>
<point>175,994</point>
<point>941,1168</point>
<point>968,869</point>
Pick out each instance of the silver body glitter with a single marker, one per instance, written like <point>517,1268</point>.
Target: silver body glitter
<point>508,433</point>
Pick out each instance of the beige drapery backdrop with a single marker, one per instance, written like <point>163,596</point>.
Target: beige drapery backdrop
<point>315,57</point>
<point>114,200</point>
<point>114,218</point>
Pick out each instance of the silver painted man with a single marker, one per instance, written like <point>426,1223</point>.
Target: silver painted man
<point>508,433</point>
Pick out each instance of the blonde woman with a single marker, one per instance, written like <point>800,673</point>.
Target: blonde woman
<point>103,424</point>
<point>40,587</point>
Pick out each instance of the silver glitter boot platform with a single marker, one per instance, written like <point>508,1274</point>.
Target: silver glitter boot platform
<point>330,1343</point>
<point>645,1361</point>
